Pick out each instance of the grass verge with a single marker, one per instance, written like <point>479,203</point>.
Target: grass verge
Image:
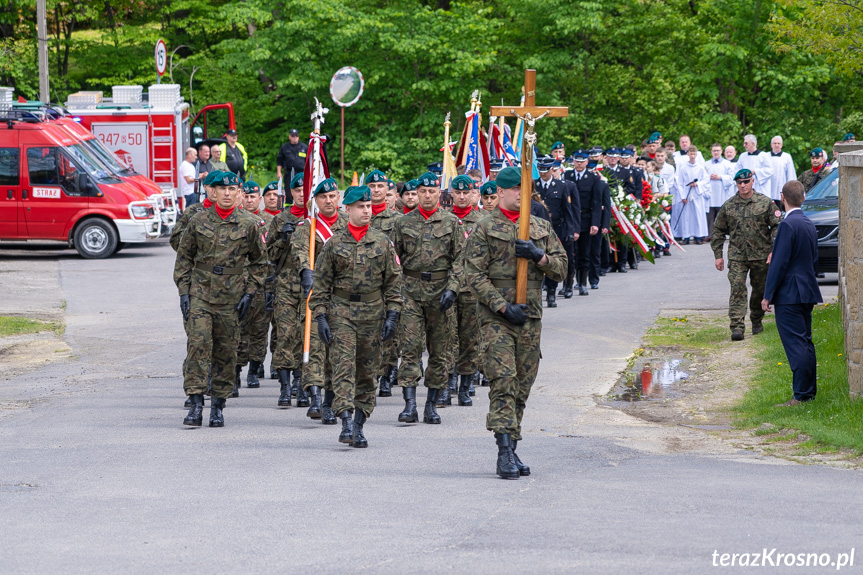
<point>21,325</point>
<point>832,420</point>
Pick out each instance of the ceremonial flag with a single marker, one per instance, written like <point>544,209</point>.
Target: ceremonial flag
<point>449,169</point>
<point>315,171</point>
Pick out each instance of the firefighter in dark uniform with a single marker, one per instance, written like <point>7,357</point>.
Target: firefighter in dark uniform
<point>588,188</point>
<point>562,208</point>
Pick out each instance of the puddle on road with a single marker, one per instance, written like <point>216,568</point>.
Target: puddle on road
<point>651,380</point>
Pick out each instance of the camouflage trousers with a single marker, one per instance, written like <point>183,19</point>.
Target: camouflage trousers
<point>737,271</point>
<point>469,336</point>
<point>389,355</point>
<point>254,330</point>
<point>288,349</point>
<point>511,365</point>
<point>355,354</point>
<point>425,320</point>
<point>319,370</point>
<point>214,332</point>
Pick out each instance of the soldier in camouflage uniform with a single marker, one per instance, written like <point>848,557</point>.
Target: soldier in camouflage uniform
<point>512,331</point>
<point>256,327</point>
<point>288,352</point>
<point>221,264</point>
<point>818,170</point>
<point>384,219</point>
<point>317,373</point>
<point>750,221</point>
<point>409,196</point>
<point>357,282</point>
<point>428,242</point>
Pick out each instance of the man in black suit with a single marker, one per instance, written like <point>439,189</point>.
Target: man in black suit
<point>587,238</point>
<point>791,286</point>
<point>562,209</point>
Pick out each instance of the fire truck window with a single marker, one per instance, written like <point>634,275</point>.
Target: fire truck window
<point>9,166</point>
<point>48,166</point>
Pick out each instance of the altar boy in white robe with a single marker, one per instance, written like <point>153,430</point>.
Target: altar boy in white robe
<point>720,171</point>
<point>689,212</point>
<point>758,163</point>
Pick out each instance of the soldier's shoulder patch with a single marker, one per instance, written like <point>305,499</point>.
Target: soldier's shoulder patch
<point>262,223</point>
<point>777,213</point>
<point>301,222</point>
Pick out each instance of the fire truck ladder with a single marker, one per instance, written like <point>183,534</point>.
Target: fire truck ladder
<point>162,148</point>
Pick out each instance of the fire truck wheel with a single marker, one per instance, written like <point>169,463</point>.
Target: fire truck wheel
<point>95,239</point>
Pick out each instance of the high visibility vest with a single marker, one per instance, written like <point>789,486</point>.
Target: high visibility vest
<point>240,147</point>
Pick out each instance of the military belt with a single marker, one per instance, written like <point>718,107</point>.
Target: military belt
<point>358,297</point>
<point>218,270</point>
<point>502,283</point>
<point>427,276</point>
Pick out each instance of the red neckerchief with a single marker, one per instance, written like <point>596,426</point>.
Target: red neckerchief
<point>224,213</point>
<point>276,213</point>
<point>328,221</point>
<point>207,203</point>
<point>513,216</point>
<point>652,156</point>
<point>406,209</point>
<point>256,212</point>
<point>426,214</point>
<point>816,168</point>
<point>358,233</point>
<point>376,209</point>
<point>298,211</point>
<point>461,212</point>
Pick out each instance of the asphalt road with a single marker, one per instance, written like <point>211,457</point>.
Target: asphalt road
<point>98,475</point>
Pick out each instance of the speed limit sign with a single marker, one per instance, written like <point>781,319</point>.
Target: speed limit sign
<point>161,57</point>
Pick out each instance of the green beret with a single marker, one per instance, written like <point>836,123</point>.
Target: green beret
<point>375,176</point>
<point>357,194</point>
<point>227,179</point>
<point>461,183</point>
<point>816,152</point>
<point>328,185</point>
<point>847,137</point>
<point>509,177</point>
<point>429,180</point>
<point>272,187</point>
<point>251,187</point>
<point>742,174</point>
<point>391,185</point>
<point>656,135</point>
<point>409,186</point>
<point>297,181</point>
<point>211,177</point>
<point>557,146</point>
<point>488,188</point>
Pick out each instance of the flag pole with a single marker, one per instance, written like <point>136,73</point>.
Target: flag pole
<point>318,119</point>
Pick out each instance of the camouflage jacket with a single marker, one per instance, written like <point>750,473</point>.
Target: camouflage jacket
<point>220,260</point>
<point>431,246</point>
<point>348,267</point>
<point>469,222</point>
<point>750,226</point>
<point>183,223</point>
<point>490,262</point>
<point>277,246</point>
<point>385,221</point>
<point>810,178</point>
<point>300,242</point>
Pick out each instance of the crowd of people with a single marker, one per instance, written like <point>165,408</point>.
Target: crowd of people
<point>390,270</point>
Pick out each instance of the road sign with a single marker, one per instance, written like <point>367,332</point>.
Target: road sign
<point>161,57</point>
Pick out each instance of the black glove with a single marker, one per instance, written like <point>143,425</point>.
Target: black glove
<point>185,305</point>
<point>287,230</point>
<point>447,298</point>
<point>515,313</point>
<point>269,301</point>
<point>390,324</point>
<point>324,329</point>
<point>307,280</point>
<point>244,306</point>
<point>527,249</point>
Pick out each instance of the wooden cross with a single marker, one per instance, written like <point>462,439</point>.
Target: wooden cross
<point>529,113</point>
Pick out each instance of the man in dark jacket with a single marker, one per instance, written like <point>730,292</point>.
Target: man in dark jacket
<point>292,154</point>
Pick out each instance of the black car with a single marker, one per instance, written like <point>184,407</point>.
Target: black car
<point>822,207</point>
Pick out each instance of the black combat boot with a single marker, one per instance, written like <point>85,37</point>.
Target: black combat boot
<point>217,404</point>
<point>195,416</point>
<point>188,403</point>
<point>284,388</point>
<point>237,371</point>
<point>327,415</point>
<point>273,373</point>
<point>473,381</point>
<point>582,283</point>
<point>303,398</point>
<point>430,414</point>
<point>484,381</point>
<point>385,390</point>
<point>394,377</point>
<point>550,299</point>
<point>315,404</point>
<point>252,377</point>
<point>347,434</point>
<point>444,398</point>
<point>506,468</point>
<point>260,371</point>
<point>567,285</point>
<point>523,469</point>
<point>296,385</point>
<point>409,415</point>
<point>464,390</point>
<point>359,440</point>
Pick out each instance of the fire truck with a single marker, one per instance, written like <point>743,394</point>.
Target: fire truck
<point>149,131</point>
